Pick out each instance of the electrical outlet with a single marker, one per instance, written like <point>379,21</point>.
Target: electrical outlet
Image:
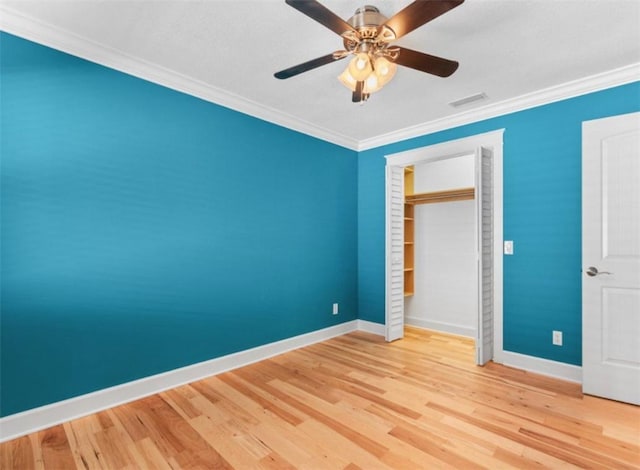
<point>335,308</point>
<point>557,338</point>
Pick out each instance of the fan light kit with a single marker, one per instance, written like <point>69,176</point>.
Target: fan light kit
<point>367,36</point>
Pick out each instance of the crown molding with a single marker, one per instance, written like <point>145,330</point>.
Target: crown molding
<point>27,27</point>
<point>35,30</point>
<point>583,86</point>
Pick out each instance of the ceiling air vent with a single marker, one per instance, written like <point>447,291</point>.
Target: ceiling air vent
<point>468,99</point>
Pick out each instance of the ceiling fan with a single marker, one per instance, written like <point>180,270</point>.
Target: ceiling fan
<point>367,36</point>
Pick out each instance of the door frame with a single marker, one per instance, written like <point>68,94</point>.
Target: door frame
<point>455,148</point>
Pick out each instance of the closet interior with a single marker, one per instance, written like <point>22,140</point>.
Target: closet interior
<point>440,275</point>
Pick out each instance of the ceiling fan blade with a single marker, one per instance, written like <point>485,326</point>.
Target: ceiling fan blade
<point>425,62</point>
<point>416,14</point>
<point>322,15</point>
<point>309,65</point>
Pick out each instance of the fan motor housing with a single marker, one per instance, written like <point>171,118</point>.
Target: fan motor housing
<point>367,15</point>
<point>366,21</point>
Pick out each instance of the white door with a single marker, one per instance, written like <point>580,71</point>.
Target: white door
<point>611,258</point>
<point>394,311</point>
<point>484,225</point>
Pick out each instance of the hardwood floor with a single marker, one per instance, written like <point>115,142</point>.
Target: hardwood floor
<point>351,402</point>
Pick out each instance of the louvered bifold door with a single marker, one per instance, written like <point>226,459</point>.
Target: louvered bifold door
<point>484,211</point>
<point>394,315</point>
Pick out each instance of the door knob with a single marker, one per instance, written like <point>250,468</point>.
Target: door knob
<point>593,271</point>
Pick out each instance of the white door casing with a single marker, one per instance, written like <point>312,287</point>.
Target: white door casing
<point>455,148</point>
<point>611,257</point>
<point>484,246</point>
<point>394,311</point>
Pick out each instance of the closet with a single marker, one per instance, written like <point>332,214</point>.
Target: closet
<point>446,172</point>
<point>440,267</point>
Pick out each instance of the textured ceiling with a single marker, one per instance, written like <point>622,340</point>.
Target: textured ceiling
<point>506,49</point>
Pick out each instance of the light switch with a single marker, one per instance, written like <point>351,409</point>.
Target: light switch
<point>508,247</point>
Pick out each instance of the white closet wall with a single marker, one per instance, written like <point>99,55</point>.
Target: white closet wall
<point>452,173</point>
<point>445,296</point>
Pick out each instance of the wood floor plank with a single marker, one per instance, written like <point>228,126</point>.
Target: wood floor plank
<point>352,402</point>
<point>151,455</point>
<point>516,460</point>
<point>262,400</point>
<point>349,448</point>
<point>180,400</point>
<point>433,445</point>
<point>274,461</point>
<point>84,450</point>
<point>19,455</point>
<point>121,434</point>
<point>230,403</point>
<point>322,413</point>
<point>285,440</point>
<point>378,427</point>
<point>114,451</point>
<point>36,449</point>
<point>56,452</point>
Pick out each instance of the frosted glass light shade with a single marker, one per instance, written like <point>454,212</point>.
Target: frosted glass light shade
<point>378,74</point>
<point>371,84</point>
<point>384,70</point>
<point>360,67</point>
<point>347,80</point>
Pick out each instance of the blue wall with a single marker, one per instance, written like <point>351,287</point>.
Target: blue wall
<point>542,214</point>
<point>145,230</point>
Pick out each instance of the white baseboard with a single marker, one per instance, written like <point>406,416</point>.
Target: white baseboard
<point>371,327</point>
<point>451,328</point>
<point>43,417</point>
<point>558,370</point>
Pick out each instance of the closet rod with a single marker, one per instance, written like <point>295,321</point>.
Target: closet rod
<point>450,195</point>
